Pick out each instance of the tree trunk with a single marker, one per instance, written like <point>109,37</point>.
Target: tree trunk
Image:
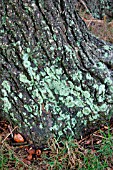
<point>56,77</point>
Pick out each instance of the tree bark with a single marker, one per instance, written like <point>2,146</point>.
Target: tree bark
<point>56,77</point>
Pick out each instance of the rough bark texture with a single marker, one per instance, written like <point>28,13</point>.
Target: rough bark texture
<point>56,77</point>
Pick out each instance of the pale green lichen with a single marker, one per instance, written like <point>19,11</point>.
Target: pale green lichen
<point>51,77</point>
<point>26,63</point>
<point>86,94</point>
<point>52,82</point>
<point>53,88</point>
<point>69,101</point>
<point>86,111</point>
<point>7,104</point>
<point>103,107</point>
<point>108,81</point>
<point>25,56</point>
<point>79,114</point>
<point>107,47</point>
<point>20,95</point>
<point>28,50</point>
<point>6,85</point>
<point>111,89</point>
<point>28,108</point>
<point>4,92</point>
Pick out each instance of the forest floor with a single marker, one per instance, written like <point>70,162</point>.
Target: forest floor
<point>94,152</point>
<point>102,28</point>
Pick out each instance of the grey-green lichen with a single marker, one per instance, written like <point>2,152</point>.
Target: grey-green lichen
<point>49,85</point>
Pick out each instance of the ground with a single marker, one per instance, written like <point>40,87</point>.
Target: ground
<point>92,152</point>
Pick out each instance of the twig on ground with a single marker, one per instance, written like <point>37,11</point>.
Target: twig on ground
<point>9,134</point>
<point>83,3</point>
